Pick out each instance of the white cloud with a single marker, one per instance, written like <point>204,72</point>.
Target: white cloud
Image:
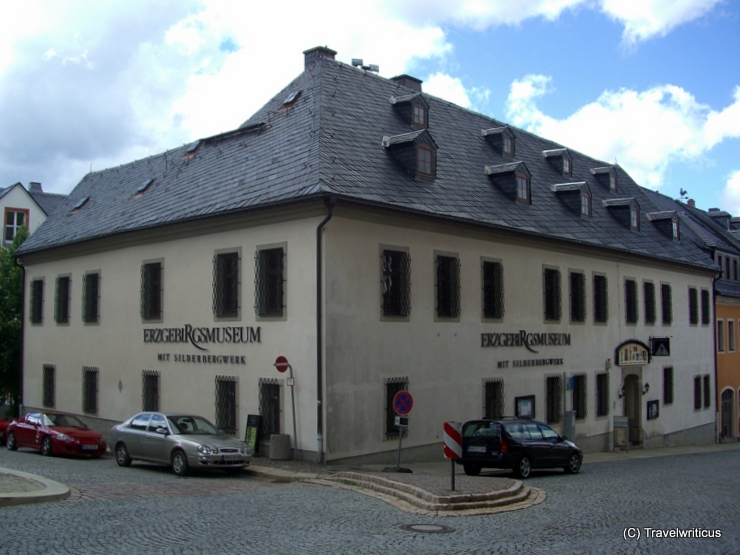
<point>731,193</point>
<point>452,89</point>
<point>643,131</point>
<point>644,19</point>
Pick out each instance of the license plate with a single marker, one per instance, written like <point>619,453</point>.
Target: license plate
<point>89,447</point>
<point>230,457</point>
<point>477,449</point>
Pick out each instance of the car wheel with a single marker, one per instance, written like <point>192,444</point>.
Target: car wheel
<point>122,456</point>
<point>524,468</point>
<point>574,464</point>
<point>46,449</point>
<point>12,445</point>
<point>179,463</point>
<point>471,469</point>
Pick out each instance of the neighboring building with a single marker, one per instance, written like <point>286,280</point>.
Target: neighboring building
<point>21,207</point>
<point>381,239</point>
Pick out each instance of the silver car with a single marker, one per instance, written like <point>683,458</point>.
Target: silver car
<point>183,441</point>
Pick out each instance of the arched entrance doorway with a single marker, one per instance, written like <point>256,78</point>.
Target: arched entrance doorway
<point>726,417</point>
<point>633,407</point>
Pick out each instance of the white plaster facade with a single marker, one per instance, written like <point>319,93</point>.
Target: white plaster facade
<point>443,359</point>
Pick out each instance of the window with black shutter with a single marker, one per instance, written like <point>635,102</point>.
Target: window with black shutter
<point>579,396</point>
<point>554,398</point>
<point>630,301</point>
<point>706,308</point>
<point>493,290</point>
<point>707,392</point>
<point>89,390</point>
<point>649,300</point>
<point>49,386</point>
<point>693,306</point>
<point>668,385</point>
<point>448,287</point>
<point>697,393</point>
<point>552,294</point>
<point>601,300</point>
<point>37,301</point>
<point>602,394</point>
<point>666,304</point>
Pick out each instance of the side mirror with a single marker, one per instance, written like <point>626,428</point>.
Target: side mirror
<point>162,431</point>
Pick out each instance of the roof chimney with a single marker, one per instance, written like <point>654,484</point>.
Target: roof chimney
<point>35,187</point>
<point>691,203</point>
<point>408,81</point>
<point>312,55</point>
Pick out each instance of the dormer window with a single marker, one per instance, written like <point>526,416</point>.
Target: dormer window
<point>501,139</point>
<point>676,234</point>
<point>586,204</point>
<point>635,218</point>
<point>560,159</point>
<point>508,144</point>
<point>420,116</point>
<point>424,157</point>
<point>522,187</point>
<point>413,109</point>
<point>607,177</point>
<point>416,153</point>
<point>666,222</point>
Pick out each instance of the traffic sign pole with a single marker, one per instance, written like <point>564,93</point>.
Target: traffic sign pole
<point>282,364</point>
<point>402,404</point>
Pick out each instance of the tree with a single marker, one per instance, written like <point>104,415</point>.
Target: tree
<point>11,322</point>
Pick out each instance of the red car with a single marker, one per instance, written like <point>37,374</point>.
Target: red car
<point>3,430</point>
<point>55,433</point>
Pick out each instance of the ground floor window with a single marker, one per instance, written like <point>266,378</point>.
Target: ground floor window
<point>226,404</point>
<point>49,386</point>
<point>150,390</point>
<point>392,386</point>
<point>89,390</point>
<point>553,399</point>
<point>269,407</point>
<point>668,385</point>
<point>697,392</point>
<point>707,392</point>
<point>602,394</point>
<point>579,396</point>
<point>494,401</point>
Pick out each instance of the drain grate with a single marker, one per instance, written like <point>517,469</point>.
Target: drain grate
<point>427,528</point>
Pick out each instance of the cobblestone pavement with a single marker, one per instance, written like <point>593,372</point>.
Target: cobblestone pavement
<point>146,510</point>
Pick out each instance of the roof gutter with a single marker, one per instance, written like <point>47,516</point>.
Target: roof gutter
<point>329,202</point>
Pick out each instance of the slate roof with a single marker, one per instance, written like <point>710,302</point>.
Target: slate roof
<point>48,202</point>
<point>329,142</point>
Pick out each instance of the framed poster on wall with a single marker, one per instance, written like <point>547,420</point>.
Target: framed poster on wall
<point>525,406</point>
<point>253,429</point>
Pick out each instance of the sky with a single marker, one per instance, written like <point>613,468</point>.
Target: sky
<point>653,85</point>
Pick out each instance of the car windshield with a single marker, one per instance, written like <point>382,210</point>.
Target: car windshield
<point>66,420</point>
<point>189,424</point>
<point>478,429</point>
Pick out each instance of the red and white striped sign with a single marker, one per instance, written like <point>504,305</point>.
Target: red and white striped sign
<point>453,440</point>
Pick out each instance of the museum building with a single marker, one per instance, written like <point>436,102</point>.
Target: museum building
<point>380,239</point>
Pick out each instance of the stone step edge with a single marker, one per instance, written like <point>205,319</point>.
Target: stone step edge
<point>507,493</point>
<point>521,497</point>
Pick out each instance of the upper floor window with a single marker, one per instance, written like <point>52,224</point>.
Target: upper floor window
<point>577,297</point>
<point>226,284</point>
<point>37,301</point>
<point>269,282</point>
<point>693,306</point>
<point>585,205</point>
<point>649,300</point>
<point>552,301</point>
<point>507,145</point>
<point>424,161</point>
<point>630,301</point>
<point>522,187</point>
<point>566,165</point>
<point>15,218</point>
<point>634,218</point>
<point>493,290</point>
<point>396,282</point>
<point>720,336</point>
<point>675,228</point>
<point>666,304</point>
<point>448,287</point>
<point>601,300</point>
<point>151,291</point>
<point>61,305</point>
<point>706,307</point>
<point>91,298</point>
<point>419,116</point>
<point>730,335</point>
